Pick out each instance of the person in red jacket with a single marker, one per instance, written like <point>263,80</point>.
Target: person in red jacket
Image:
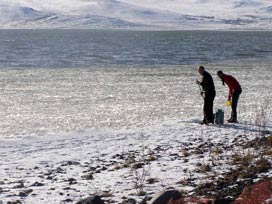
<point>234,92</point>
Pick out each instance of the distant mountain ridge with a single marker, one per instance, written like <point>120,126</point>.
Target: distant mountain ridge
<point>141,14</point>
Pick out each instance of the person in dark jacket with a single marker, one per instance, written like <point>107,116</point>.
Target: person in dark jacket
<point>234,93</point>
<point>208,94</point>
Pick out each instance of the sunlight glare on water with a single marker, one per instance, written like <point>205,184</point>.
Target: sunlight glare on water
<point>54,101</point>
<point>62,81</point>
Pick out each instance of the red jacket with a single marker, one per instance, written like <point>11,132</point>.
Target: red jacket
<point>232,83</point>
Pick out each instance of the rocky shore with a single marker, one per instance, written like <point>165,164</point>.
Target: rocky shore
<point>222,171</point>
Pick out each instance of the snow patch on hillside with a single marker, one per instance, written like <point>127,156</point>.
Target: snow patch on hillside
<point>142,14</point>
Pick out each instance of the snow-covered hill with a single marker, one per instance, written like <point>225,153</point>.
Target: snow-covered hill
<point>145,14</point>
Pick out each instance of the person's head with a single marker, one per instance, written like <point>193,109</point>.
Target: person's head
<point>220,74</point>
<point>201,70</point>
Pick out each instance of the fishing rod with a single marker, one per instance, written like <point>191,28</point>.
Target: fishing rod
<point>201,91</point>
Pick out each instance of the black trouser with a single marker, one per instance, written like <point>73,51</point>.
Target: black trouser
<point>208,106</point>
<point>234,102</point>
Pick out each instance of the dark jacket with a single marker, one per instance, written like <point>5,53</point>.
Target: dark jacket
<point>207,83</point>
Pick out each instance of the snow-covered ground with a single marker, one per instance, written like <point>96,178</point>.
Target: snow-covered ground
<point>60,164</point>
<point>146,138</point>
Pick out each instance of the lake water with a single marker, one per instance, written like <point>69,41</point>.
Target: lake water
<point>96,48</point>
<point>65,81</point>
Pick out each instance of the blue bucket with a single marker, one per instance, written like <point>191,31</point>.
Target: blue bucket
<point>219,117</point>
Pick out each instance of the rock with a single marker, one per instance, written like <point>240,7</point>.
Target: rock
<point>88,176</point>
<point>191,200</point>
<point>14,202</point>
<point>164,197</point>
<point>49,177</point>
<point>68,200</point>
<point>195,200</point>
<point>145,199</point>
<point>37,184</point>
<point>129,201</point>
<point>152,181</point>
<point>48,173</point>
<point>72,181</point>
<point>92,168</point>
<point>223,201</point>
<point>25,193</point>
<point>70,163</point>
<point>259,193</point>
<point>59,170</point>
<point>91,200</point>
<point>138,165</point>
<point>20,185</point>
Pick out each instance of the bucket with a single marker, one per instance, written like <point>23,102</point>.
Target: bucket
<point>228,103</point>
<point>219,117</point>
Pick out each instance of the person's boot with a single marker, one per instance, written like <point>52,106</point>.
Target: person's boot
<point>232,120</point>
<point>211,121</point>
<point>229,119</point>
<point>204,122</point>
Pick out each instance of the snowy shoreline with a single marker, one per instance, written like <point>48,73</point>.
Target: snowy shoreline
<point>101,152</point>
<point>121,164</point>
